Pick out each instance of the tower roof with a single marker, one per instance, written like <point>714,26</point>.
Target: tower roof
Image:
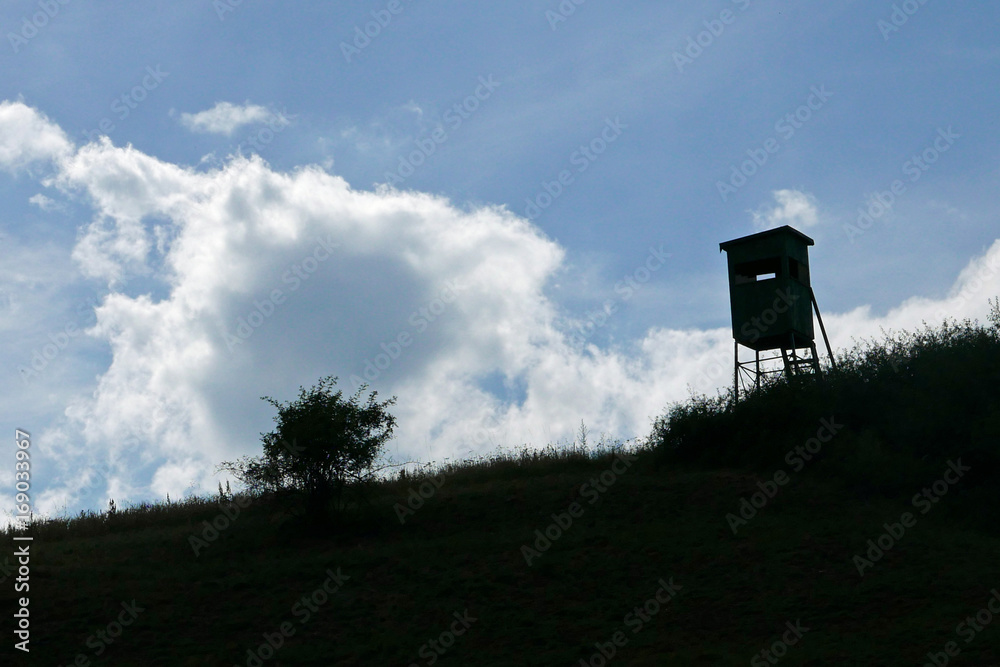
<point>783,230</point>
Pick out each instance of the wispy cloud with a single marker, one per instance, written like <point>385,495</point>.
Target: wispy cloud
<point>225,118</point>
<point>47,204</point>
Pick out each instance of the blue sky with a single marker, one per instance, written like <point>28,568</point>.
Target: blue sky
<point>531,194</point>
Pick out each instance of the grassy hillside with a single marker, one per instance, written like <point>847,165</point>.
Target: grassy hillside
<point>849,522</point>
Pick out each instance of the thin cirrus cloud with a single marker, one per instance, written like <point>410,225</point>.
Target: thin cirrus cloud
<point>225,118</point>
<point>239,281</point>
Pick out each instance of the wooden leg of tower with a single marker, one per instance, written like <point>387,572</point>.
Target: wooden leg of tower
<point>757,369</point>
<point>794,355</point>
<point>736,371</point>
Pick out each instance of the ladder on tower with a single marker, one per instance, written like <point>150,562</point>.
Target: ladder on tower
<point>796,364</point>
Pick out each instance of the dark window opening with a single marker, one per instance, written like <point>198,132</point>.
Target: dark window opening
<point>761,269</point>
<point>799,271</point>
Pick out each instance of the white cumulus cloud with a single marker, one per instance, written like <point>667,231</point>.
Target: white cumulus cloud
<point>792,208</point>
<point>28,136</point>
<point>255,282</point>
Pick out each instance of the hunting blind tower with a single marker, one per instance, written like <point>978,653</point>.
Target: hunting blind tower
<point>772,304</point>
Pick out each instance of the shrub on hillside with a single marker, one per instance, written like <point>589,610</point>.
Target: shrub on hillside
<point>323,447</point>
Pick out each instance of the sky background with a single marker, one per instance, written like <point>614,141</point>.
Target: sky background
<point>518,204</point>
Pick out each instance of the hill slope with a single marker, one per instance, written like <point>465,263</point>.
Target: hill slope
<point>461,553</point>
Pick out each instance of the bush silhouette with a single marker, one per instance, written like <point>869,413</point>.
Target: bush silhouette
<point>324,446</point>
